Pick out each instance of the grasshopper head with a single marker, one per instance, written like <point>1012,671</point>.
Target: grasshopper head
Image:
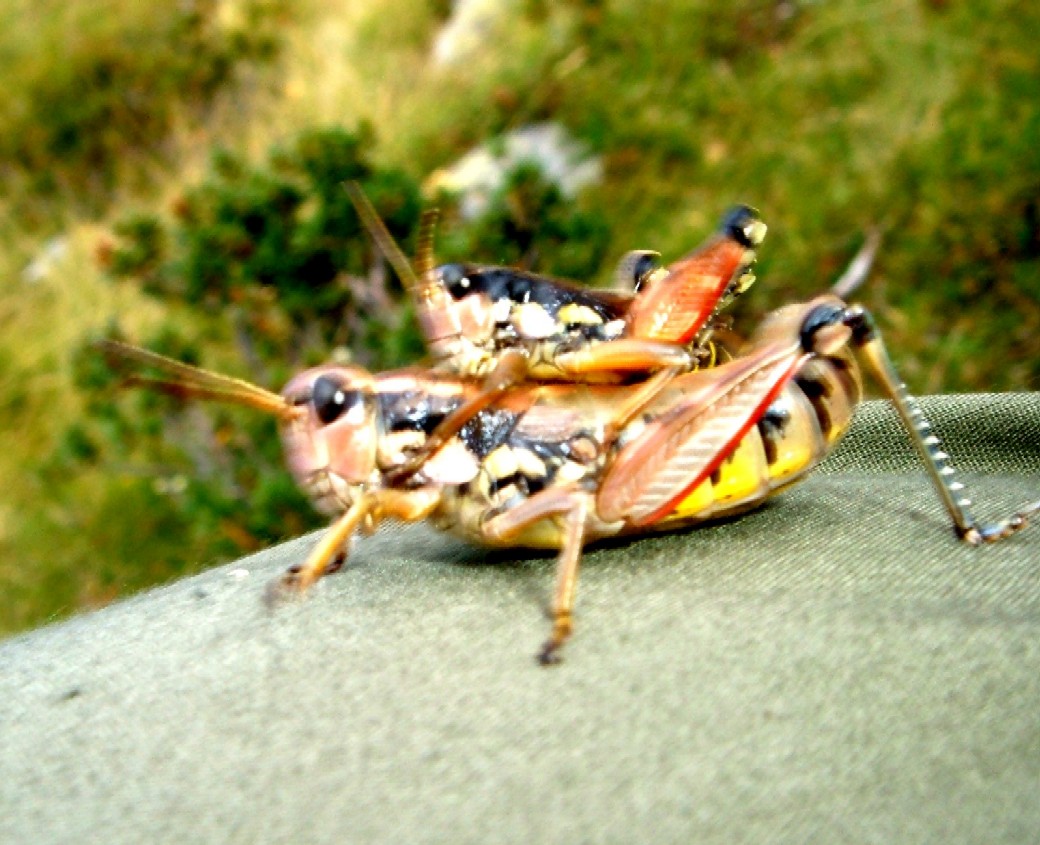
<point>331,436</point>
<point>328,415</point>
<point>455,304</point>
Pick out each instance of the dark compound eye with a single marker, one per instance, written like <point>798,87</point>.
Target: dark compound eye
<point>331,400</point>
<point>454,278</point>
<point>635,268</point>
<point>817,321</point>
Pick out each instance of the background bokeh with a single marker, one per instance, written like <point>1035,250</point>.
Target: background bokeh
<point>172,175</point>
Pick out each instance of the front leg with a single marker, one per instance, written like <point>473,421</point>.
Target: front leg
<point>366,512</point>
<point>570,506</point>
<point>629,355</point>
<point>626,354</point>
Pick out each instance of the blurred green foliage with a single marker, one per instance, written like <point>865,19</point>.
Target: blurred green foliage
<point>968,241</point>
<point>279,248</point>
<point>529,223</point>
<point>112,82</point>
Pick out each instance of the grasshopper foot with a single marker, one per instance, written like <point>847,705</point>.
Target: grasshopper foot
<point>287,586</point>
<point>297,579</point>
<point>549,655</point>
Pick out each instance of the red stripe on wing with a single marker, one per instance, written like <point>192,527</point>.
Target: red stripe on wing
<point>687,441</point>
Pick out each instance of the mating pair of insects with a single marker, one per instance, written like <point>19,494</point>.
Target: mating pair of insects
<point>554,415</point>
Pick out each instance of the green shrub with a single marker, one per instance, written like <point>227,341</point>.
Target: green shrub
<point>68,123</point>
<point>279,249</point>
<point>530,223</point>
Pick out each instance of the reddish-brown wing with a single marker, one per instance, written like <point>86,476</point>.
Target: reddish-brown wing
<point>695,424</point>
<point>674,308</point>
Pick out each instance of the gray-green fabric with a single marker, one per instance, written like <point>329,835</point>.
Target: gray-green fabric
<point>835,667</point>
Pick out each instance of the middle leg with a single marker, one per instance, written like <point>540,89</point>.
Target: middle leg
<point>571,507</point>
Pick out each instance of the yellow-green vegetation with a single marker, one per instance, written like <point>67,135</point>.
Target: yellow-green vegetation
<point>918,117</point>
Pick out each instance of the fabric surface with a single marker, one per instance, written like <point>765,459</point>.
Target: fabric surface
<point>833,667</point>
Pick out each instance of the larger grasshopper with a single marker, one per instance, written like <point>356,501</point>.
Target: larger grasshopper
<point>553,466</point>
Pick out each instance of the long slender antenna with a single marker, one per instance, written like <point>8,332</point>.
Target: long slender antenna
<point>859,268</point>
<point>384,240</point>
<point>186,380</point>
<point>424,261</point>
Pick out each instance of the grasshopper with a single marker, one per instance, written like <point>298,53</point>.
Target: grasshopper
<point>508,326</point>
<point>478,320</point>
<point>553,466</point>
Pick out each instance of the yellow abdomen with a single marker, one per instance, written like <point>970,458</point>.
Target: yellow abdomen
<point>807,419</point>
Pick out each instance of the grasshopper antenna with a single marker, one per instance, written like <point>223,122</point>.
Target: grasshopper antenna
<point>183,380</point>
<point>388,246</point>
<point>424,262</point>
<point>859,268</point>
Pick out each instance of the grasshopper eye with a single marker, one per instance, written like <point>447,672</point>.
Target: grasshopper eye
<point>824,328</point>
<point>454,278</point>
<point>331,400</point>
<point>647,263</point>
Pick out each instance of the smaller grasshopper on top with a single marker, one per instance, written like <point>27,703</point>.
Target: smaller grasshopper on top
<point>507,326</point>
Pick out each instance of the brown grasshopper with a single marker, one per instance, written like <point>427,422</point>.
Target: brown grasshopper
<point>508,326</point>
<point>479,320</point>
<point>554,466</point>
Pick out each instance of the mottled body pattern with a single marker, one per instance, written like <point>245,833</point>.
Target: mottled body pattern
<point>558,465</point>
<point>472,315</point>
<point>554,436</point>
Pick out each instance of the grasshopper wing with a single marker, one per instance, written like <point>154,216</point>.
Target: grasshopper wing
<point>694,425</point>
<point>673,307</point>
